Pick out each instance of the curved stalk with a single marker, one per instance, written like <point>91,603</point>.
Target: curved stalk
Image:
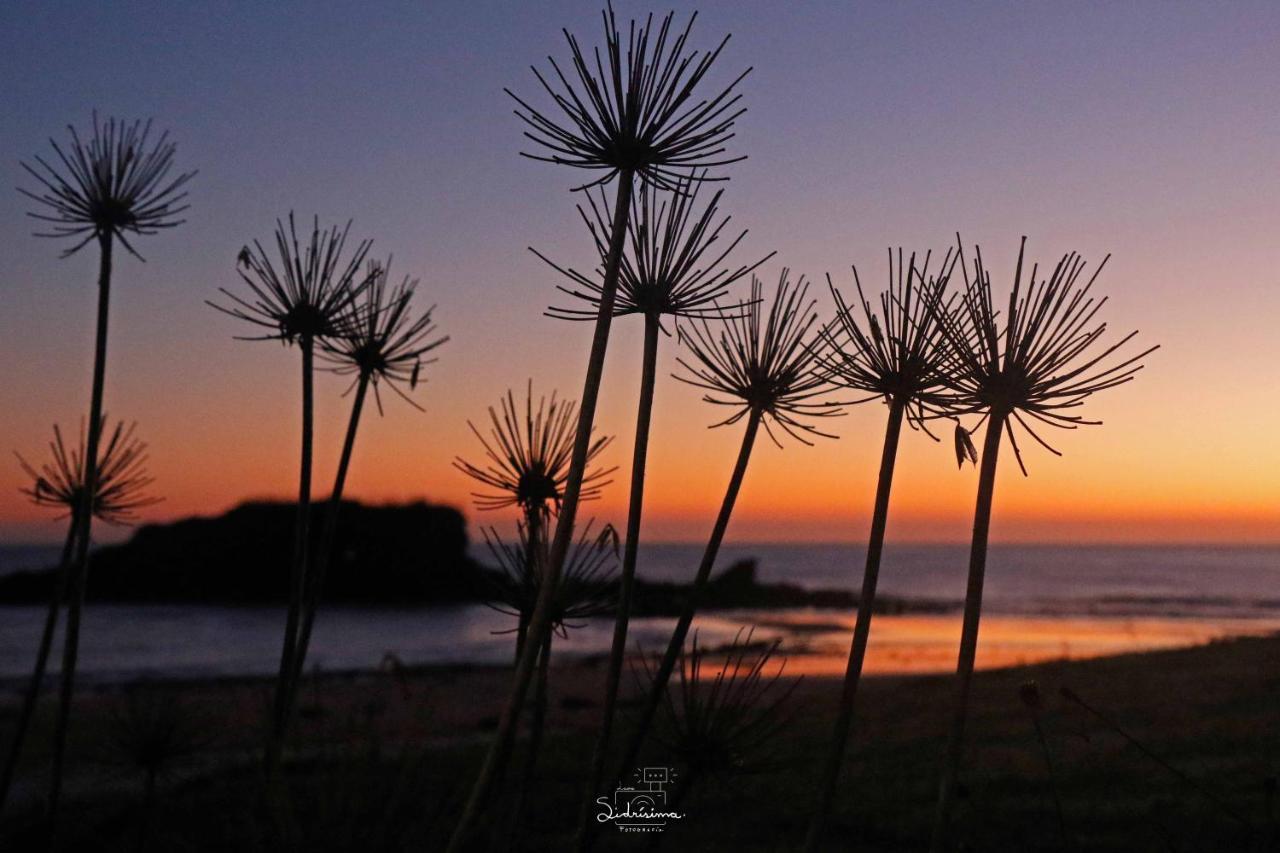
<point>80,571</point>
<point>540,622</point>
<point>626,582</point>
<point>32,696</point>
<point>297,574</point>
<point>969,631</point>
<point>676,644</point>
<point>315,575</point>
<point>861,630</point>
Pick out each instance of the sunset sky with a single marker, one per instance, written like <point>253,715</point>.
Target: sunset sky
<point>1150,131</point>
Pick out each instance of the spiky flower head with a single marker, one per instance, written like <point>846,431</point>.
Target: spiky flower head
<point>764,363</point>
<point>528,457</point>
<point>1038,363</point>
<point>305,293</point>
<point>585,587</point>
<point>635,109</point>
<point>895,353</point>
<point>120,489</point>
<point>380,339</point>
<point>672,263</point>
<point>728,723</point>
<point>116,183</point>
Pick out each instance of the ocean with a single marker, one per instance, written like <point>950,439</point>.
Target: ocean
<point>1042,601</point>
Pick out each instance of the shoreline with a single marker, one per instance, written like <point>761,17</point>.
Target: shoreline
<point>1202,707</point>
<point>813,641</point>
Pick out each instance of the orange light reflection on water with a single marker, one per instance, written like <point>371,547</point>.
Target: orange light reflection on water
<point>817,644</point>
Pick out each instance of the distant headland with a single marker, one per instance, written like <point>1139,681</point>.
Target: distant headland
<point>410,554</point>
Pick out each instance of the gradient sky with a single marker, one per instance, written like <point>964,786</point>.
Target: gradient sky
<point>1146,130</point>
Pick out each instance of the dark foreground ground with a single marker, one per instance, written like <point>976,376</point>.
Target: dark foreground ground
<point>382,762</point>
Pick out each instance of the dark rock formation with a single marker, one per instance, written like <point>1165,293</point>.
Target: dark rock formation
<point>405,554</point>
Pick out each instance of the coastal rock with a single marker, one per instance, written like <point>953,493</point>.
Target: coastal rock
<point>397,554</point>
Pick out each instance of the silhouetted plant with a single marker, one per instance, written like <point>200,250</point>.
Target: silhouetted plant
<point>151,734</point>
<point>726,725</point>
<point>636,115</point>
<point>382,344</point>
<point>763,366</point>
<point>672,267</point>
<point>895,356</point>
<point>120,485</point>
<point>115,185</point>
<point>303,301</point>
<point>1033,364</point>
<point>59,484</point>
<point>528,457</point>
<point>584,591</point>
<point>528,467</point>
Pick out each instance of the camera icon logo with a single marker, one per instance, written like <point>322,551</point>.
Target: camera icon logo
<point>645,803</point>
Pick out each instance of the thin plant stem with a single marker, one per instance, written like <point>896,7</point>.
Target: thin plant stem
<point>676,644</point>
<point>80,571</point>
<point>297,574</point>
<point>861,630</point>
<point>540,621</point>
<point>537,724</point>
<point>32,696</point>
<point>316,575</point>
<point>626,583</point>
<point>969,630</point>
<point>533,549</point>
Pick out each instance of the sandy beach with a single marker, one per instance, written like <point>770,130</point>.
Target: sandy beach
<point>380,758</point>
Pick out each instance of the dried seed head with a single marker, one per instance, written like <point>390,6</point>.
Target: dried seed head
<point>308,294</point>
<point>636,109</point>
<point>585,588</point>
<point>116,183</point>
<point>528,458</point>
<point>762,363</point>
<point>121,476</point>
<point>1037,364</point>
<point>897,353</point>
<point>380,339</point>
<point>672,262</point>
